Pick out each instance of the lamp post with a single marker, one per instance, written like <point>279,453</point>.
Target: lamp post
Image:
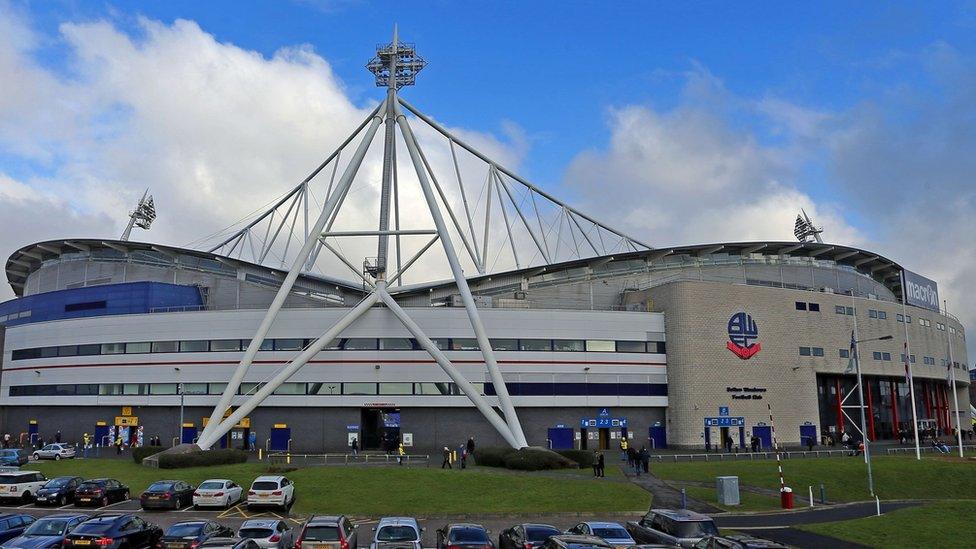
<point>860,396</point>
<point>180,391</point>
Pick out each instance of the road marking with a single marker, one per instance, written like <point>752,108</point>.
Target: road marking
<point>66,506</point>
<point>117,503</point>
<point>25,505</point>
<point>187,508</point>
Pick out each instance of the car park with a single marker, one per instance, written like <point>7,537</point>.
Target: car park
<point>575,541</point>
<point>271,490</point>
<point>229,543</point>
<point>464,536</point>
<point>113,531</point>
<point>55,451</point>
<point>58,491</point>
<point>736,541</point>
<point>610,532</point>
<point>13,457</point>
<point>526,536</point>
<point>46,532</point>
<point>13,525</point>
<point>22,485</point>
<point>189,534</point>
<point>167,494</point>
<point>217,492</point>
<point>268,533</point>
<point>101,492</point>
<point>397,533</point>
<point>328,532</point>
<point>674,526</point>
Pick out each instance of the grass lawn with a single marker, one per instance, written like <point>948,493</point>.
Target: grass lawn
<point>375,491</point>
<point>942,524</point>
<point>845,478</point>
<point>747,500</point>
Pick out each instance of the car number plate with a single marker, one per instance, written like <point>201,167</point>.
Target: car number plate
<point>176,545</point>
<point>82,542</point>
<point>84,499</point>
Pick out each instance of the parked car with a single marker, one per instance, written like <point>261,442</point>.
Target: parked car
<point>167,494</point>
<point>397,533</point>
<point>229,543</point>
<point>271,490</point>
<point>575,541</point>
<point>58,491</point>
<point>611,532</point>
<point>675,526</point>
<point>21,485</point>
<point>217,492</point>
<point>189,534</point>
<point>526,536</point>
<point>13,457</point>
<point>55,451</point>
<point>328,532</point>
<point>114,531</point>
<point>268,533</point>
<point>100,491</point>
<point>464,536</point>
<point>737,541</point>
<point>13,525</point>
<point>46,532</point>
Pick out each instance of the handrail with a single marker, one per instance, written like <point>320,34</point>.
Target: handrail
<point>348,459</point>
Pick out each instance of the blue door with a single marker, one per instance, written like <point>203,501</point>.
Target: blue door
<point>32,431</point>
<point>561,438</point>
<point>280,435</point>
<point>808,432</point>
<point>765,435</point>
<point>101,434</point>
<point>188,434</point>
<point>659,437</point>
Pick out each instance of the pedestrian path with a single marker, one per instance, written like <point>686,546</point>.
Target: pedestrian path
<point>665,495</point>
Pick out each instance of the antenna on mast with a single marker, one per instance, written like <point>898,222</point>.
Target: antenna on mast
<point>805,230</point>
<point>142,216</point>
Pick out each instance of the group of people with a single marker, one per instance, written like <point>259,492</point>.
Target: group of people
<point>638,460</point>
<point>464,452</point>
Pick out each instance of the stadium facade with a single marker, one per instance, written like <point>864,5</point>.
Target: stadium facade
<point>636,344</point>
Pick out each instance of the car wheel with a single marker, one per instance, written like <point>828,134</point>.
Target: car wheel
<point>37,457</point>
<point>126,496</point>
<point>26,497</point>
<point>61,501</point>
<point>57,457</point>
<point>104,501</point>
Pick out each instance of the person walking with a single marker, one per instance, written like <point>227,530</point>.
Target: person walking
<point>6,440</point>
<point>464,456</point>
<point>355,446</point>
<point>118,445</point>
<point>728,444</point>
<point>447,458</point>
<point>596,464</point>
<point>645,459</point>
<point>601,465</point>
<point>754,443</point>
<point>400,453</point>
<point>470,446</point>
<point>57,436</point>
<point>623,449</point>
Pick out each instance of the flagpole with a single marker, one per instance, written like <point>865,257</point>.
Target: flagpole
<point>860,395</point>
<point>952,371</point>
<point>908,368</point>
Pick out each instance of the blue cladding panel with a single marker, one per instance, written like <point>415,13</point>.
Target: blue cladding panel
<point>120,299</point>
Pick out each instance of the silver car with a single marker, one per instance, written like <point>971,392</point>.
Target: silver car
<point>55,451</point>
<point>268,533</point>
<point>397,533</point>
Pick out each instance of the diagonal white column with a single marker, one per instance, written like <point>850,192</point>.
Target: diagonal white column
<point>286,285</point>
<point>219,429</point>
<point>479,330</point>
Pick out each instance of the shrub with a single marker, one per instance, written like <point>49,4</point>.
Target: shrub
<point>492,457</point>
<point>583,458</point>
<point>533,459</point>
<point>140,453</point>
<point>280,469</point>
<point>202,459</point>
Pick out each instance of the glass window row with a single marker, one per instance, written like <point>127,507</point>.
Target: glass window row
<point>343,344</point>
<point>811,351</point>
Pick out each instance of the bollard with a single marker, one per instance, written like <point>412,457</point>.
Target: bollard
<point>877,502</point>
<point>823,495</point>
<point>684,499</point>
<point>811,495</point>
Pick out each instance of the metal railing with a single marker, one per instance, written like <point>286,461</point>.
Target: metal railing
<point>290,458</point>
<point>747,456</point>
<point>911,449</point>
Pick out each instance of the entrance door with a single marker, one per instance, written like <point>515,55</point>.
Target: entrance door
<point>604,438</point>
<point>765,435</point>
<point>808,432</point>
<point>280,437</point>
<point>560,438</point>
<point>723,437</point>
<point>658,436</point>
<point>379,429</point>
<point>583,439</point>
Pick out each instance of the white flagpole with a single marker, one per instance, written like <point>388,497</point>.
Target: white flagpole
<point>952,371</point>
<point>908,365</point>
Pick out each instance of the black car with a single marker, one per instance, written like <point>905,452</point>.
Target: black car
<point>167,494</point>
<point>229,543</point>
<point>464,536</point>
<point>736,541</point>
<point>526,536</point>
<point>576,541</point>
<point>113,531</point>
<point>12,525</point>
<point>46,532</point>
<point>191,533</point>
<point>58,491</point>
<point>100,491</point>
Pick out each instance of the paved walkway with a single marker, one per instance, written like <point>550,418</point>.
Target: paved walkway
<point>665,495</point>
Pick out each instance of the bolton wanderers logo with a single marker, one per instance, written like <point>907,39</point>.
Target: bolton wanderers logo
<point>743,336</point>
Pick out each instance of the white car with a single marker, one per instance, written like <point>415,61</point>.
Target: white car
<point>22,485</point>
<point>268,533</point>
<point>272,490</point>
<point>217,492</point>
<point>54,451</point>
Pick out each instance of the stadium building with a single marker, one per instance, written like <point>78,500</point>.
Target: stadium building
<point>681,347</point>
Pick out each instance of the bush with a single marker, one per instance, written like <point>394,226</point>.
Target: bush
<point>202,459</point>
<point>583,458</point>
<point>280,469</point>
<point>532,459</point>
<point>492,457</point>
<point>140,453</point>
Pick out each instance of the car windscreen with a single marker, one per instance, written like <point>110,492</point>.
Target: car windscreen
<point>321,533</point>
<point>160,487</point>
<point>211,486</point>
<point>184,530</point>
<point>46,527</point>
<point>264,485</point>
<point>57,482</point>
<point>12,479</point>
<point>468,535</point>
<point>693,529</point>
<point>99,527</point>
<point>611,533</point>
<point>538,535</point>
<point>255,533</point>
<point>8,453</point>
<point>90,486</point>
<point>396,533</point>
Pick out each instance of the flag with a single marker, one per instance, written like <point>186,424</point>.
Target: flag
<point>908,371</point>
<point>851,356</point>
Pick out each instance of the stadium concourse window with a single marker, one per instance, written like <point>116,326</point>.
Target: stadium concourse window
<point>464,344</point>
<point>225,345</point>
<point>249,388</point>
<point>319,388</point>
<point>804,351</point>
<point>842,310</point>
<point>631,347</point>
<point>600,346</point>
<point>163,389</point>
<point>138,347</point>
<point>569,345</point>
<point>359,388</point>
<point>289,344</point>
<point>113,348</point>
<point>360,344</point>
<point>165,346</point>
<point>504,344</point>
<point>396,344</point>
<point>396,389</point>
<point>195,346</point>
<point>844,353</point>
<point>290,389</point>
<point>535,344</point>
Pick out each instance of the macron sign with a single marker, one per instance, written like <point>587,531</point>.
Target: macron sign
<point>921,292</point>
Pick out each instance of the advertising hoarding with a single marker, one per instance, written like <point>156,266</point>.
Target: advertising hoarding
<point>920,291</point>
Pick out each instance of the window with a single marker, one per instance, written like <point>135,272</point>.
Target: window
<point>291,344</point>
<point>396,344</point>
<point>886,356</point>
<point>162,389</point>
<point>89,350</point>
<point>464,344</point>
<point>165,346</point>
<point>67,350</point>
<point>631,347</point>
<point>225,345</point>
<point>442,343</point>
<point>249,388</point>
<point>844,353</point>
<point>849,311</point>
<point>324,388</point>
<point>900,317</point>
<point>434,389</point>
<point>908,319</point>
<point>504,344</point>
<point>87,306</point>
<point>535,345</point>
<point>817,351</point>
<point>360,344</point>
<point>801,306</point>
<point>660,347</point>
<point>876,355</point>
<point>600,346</point>
<point>882,315</point>
<point>911,359</point>
<point>839,309</point>
<point>25,354</point>
<point>396,388</point>
<point>359,388</point>
<point>134,388</point>
<point>568,345</point>
<point>814,307</point>
<point>138,347</point>
<point>195,346</point>
<point>804,351</point>
<point>113,348</point>
<point>872,313</point>
<point>214,388</point>
<point>290,389</point>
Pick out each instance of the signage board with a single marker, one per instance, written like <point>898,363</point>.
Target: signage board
<point>725,421</point>
<point>920,291</point>
<point>127,410</point>
<point>723,410</point>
